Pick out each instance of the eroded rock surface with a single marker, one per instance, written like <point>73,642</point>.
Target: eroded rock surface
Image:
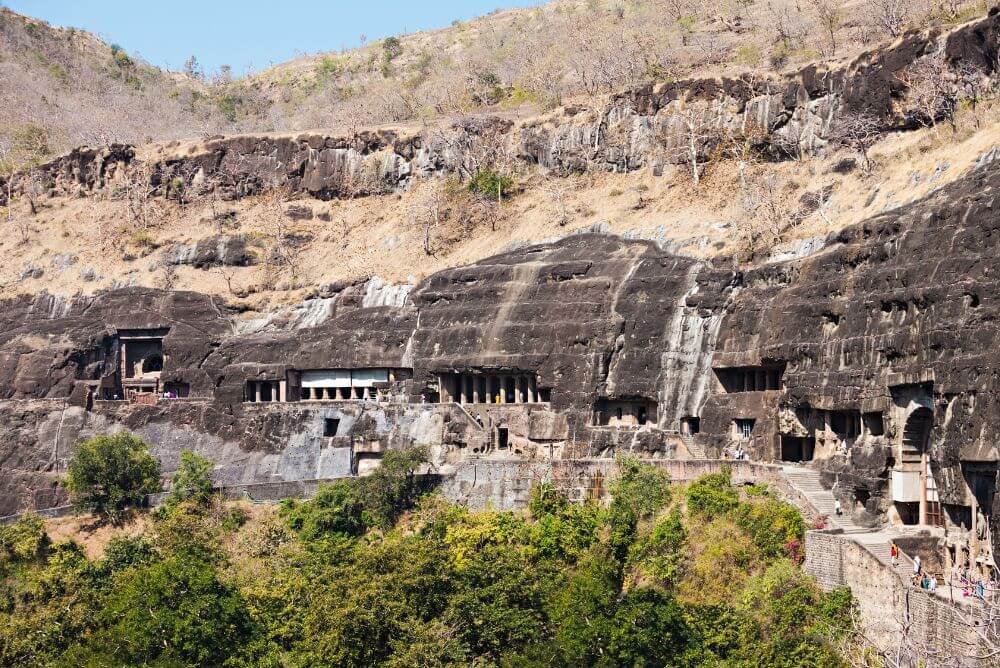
<point>651,125</point>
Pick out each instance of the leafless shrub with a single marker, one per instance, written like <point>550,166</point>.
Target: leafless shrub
<point>136,190</point>
<point>890,15</point>
<point>690,132</point>
<point>930,91</point>
<point>285,244</point>
<point>557,190</point>
<point>859,132</point>
<point>830,16</point>
<point>427,209</point>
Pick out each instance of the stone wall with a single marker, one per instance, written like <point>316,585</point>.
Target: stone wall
<point>891,613</point>
<point>506,485</point>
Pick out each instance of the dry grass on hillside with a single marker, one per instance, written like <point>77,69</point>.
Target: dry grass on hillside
<point>93,534</point>
<point>74,245</point>
<point>78,89</point>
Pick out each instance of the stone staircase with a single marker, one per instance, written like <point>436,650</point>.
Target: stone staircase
<point>696,449</point>
<point>877,543</point>
<point>805,481</point>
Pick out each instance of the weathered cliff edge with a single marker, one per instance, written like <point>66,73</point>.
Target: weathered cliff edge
<point>646,126</point>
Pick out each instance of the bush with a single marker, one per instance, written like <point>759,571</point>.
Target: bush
<point>109,474</point>
<point>773,525</point>
<point>489,184</point>
<point>125,552</point>
<point>236,517</point>
<point>198,619</point>
<point>193,479</point>
<point>25,539</point>
<point>712,495</point>
<point>334,511</point>
<point>392,48</point>
<point>391,489</point>
<point>639,491</point>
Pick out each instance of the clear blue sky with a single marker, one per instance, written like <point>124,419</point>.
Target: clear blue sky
<point>251,34</point>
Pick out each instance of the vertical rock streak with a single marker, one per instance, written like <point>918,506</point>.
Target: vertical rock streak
<point>686,361</point>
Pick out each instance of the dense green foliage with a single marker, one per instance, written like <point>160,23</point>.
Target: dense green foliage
<point>490,184</point>
<point>110,473</point>
<point>193,479</point>
<point>373,571</point>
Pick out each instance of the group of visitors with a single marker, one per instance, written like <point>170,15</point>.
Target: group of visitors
<point>738,453</point>
<point>971,583</point>
<point>920,578</point>
<point>974,585</point>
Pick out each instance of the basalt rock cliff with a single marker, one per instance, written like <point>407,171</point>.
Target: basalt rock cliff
<point>841,356</point>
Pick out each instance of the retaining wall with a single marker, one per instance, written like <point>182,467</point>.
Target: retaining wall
<point>893,614</point>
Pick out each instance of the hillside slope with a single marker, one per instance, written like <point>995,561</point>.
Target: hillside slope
<point>269,219</point>
<point>78,89</point>
<point>71,88</point>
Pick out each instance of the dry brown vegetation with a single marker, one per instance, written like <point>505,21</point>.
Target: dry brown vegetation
<point>732,202</point>
<point>740,207</point>
<point>79,90</point>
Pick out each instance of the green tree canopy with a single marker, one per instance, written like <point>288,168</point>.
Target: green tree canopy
<point>108,474</point>
<point>193,479</point>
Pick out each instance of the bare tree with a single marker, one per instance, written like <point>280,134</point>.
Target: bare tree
<point>830,14</point>
<point>285,243</point>
<point>558,189</point>
<point>763,218</point>
<point>929,90</point>
<point>860,132</point>
<point>428,201</point>
<point>691,130</point>
<point>228,274</point>
<point>139,194</point>
<point>890,15</point>
<point>19,153</point>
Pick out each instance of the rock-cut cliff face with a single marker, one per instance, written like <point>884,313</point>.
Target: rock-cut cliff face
<point>875,356</point>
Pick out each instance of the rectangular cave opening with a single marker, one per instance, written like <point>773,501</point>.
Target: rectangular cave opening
<point>762,378</point>
<point>262,391</point>
<point>370,383</point>
<point>959,516</point>
<point>177,390</point>
<point>624,412</point>
<point>797,448</point>
<point>874,424</point>
<point>846,424</point>
<point>690,425</point>
<point>744,428</point>
<point>485,386</point>
<point>330,427</point>
<point>503,441</point>
<point>909,512</point>
<point>981,478</point>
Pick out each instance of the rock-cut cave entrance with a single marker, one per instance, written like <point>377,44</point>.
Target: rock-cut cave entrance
<point>914,493</point>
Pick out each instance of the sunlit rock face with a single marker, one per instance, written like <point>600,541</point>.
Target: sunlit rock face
<point>875,348</point>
